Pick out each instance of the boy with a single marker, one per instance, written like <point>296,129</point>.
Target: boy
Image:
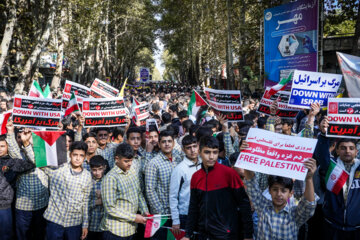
<point>98,167</point>
<point>277,218</point>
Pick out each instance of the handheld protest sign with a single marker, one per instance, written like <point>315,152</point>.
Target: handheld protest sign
<point>141,113</point>
<point>36,112</point>
<point>104,112</point>
<point>226,102</point>
<point>313,87</point>
<point>276,154</point>
<point>151,122</point>
<point>80,91</point>
<point>344,117</point>
<point>100,89</point>
<point>284,110</point>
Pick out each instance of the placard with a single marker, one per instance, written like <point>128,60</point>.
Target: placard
<point>36,112</point>
<point>344,117</point>
<point>311,87</point>
<point>284,110</point>
<point>276,154</point>
<point>79,90</point>
<point>100,89</point>
<point>101,112</point>
<point>226,102</point>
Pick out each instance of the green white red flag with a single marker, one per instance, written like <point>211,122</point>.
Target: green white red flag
<point>335,177</point>
<point>196,102</point>
<point>153,224</point>
<point>3,121</point>
<point>49,148</point>
<point>36,91</point>
<point>278,87</point>
<point>171,235</point>
<point>72,106</point>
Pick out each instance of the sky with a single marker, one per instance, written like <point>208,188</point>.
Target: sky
<point>157,56</point>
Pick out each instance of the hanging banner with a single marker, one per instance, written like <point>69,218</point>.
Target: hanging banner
<point>344,117</point>
<point>350,68</point>
<point>226,102</point>
<point>79,90</point>
<point>290,40</point>
<point>100,89</point>
<point>284,110</point>
<point>276,154</point>
<point>101,112</point>
<point>36,112</point>
<point>311,87</point>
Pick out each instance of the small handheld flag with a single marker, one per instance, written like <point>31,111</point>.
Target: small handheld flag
<point>335,177</point>
<point>72,106</point>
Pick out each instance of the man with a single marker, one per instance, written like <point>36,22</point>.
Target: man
<point>217,193</point>
<point>122,197</point>
<point>133,138</point>
<point>70,186</point>
<point>341,211</point>
<point>32,193</point>
<point>90,140</point>
<point>157,178</point>
<point>180,182</point>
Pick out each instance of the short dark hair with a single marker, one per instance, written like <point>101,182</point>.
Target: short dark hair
<point>166,117</point>
<point>341,140</point>
<point>155,107</point>
<point>156,116</point>
<point>133,130</point>
<point>124,150</point>
<point>97,161</point>
<point>261,122</point>
<point>287,121</point>
<point>166,133</point>
<point>102,129</point>
<point>88,135</point>
<point>187,125</point>
<point>213,123</point>
<point>174,108</point>
<point>153,129</point>
<point>188,139</point>
<point>78,145</point>
<point>174,129</point>
<point>284,181</point>
<point>233,158</point>
<point>118,131</point>
<point>202,132</point>
<point>183,114</point>
<point>209,141</point>
<point>70,133</point>
<point>3,138</point>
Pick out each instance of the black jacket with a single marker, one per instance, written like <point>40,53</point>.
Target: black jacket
<point>216,196</point>
<point>9,169</point>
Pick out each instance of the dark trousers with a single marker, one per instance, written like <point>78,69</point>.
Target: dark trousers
<point>6,224</point>
<point>161,234</point>
<point>183,221</point>
<point>94,235</point>
<point>30,224</point>
<point>57,232</point>
<point>109,236</point>
<point>330,232</point>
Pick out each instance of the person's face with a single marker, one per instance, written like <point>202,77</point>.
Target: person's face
<point>123,163</point>
<point>251,106</point>
<point>68,142</point>
<point>102,137</point>
<point>347,151</point>
<point>154,137</point>
<point>92,144</point>
<point>166,144</point>
<point>98,172</point>
<point>134,140</point>
<point>286,127</point>
<point>279,195</point>
<point>3,105</point>
<point>77,157</point>
<point>209,156</point>
<point>158,121</point>
<point>3,148</point>
<point>191,151</point>
<point>120,138</point>
<point>278,128</point>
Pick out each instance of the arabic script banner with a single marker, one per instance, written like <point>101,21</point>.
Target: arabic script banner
<point>350,68</point>
<point>276,154</point>
<point>36,112</point>
<point>80,91</point>
<point>101,112</point>
<point>100,89</point>
<point>290,39</point>
<point>344,117</point>
<point>311,87</point>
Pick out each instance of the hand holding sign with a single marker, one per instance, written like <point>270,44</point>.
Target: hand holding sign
<point>314,109</point>
<point>274,108</point>
<point>310,164</point>
<point>324,125</point>
<point>10,127</point>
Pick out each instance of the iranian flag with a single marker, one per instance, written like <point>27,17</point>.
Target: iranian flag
<point>36,91</point>
<point>196,101</point>
<point>153,223</point>
<point>278,87</point>
<point>72,106</point>
<point>3,121</point>
<point>49,148</point>
<point>171,235</point>
<point>335,177</point>
<point>47,92</point>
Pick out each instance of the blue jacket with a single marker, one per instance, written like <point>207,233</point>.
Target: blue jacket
<point>342,216</point>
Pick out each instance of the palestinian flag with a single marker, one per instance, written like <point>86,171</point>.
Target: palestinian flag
<point>72,106</point>
<point>171,235</point>
<point>49,148</point>
<point>3,121</point>
<point>153,223</point>
<point>335,177</point>
<point>196,101</point>
<point>278,87</point>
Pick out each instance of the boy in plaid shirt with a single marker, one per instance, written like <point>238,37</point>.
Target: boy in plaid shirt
<point>98,167</point>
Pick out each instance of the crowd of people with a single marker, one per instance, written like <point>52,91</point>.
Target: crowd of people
<point>117,178</point>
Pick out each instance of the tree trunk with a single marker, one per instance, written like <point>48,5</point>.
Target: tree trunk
<point>356,42</point>
<point>242,53</point>
<point>24,79</point>
<point>229,57</point>
<point>9,29</point>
